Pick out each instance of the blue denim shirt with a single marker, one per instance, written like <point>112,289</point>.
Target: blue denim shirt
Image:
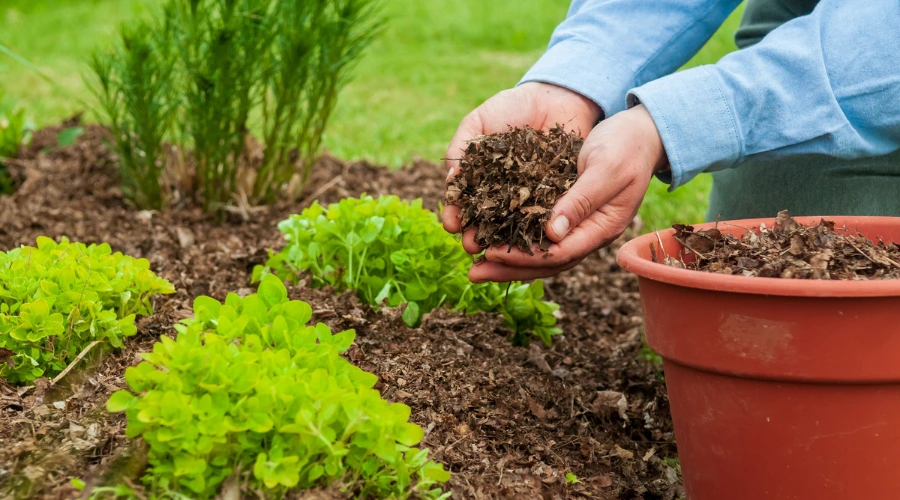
<point>825,83</point>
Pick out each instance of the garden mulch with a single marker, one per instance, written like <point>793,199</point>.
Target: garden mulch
<point>509,422</point>
<point>508,183</point>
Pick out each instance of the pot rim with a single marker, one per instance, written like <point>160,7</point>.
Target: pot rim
<point>628,258</point>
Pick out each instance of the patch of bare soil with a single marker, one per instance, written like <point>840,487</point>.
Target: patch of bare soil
<point>508,422</point>
<point>789,250</point>
<point>508,183</point>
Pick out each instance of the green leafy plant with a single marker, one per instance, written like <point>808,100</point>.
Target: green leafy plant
<point>57,298</point>
<point>248,387</point>
<point>394,252</point>
<point>218,65</point>
<point>14,133</point>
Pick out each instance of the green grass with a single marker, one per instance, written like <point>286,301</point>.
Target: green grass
<point>436,61</point>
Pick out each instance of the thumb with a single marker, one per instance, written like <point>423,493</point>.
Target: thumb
<point>593,189</point>
<point>470,127</point>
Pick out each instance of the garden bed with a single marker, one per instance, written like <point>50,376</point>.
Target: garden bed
<point>508,422</point>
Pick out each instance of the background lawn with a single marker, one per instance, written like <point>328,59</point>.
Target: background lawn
<point>436,61</point>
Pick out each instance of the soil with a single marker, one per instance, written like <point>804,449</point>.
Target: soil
<point>789,250</point>
<point>508,183</point>
<point>509,422</point>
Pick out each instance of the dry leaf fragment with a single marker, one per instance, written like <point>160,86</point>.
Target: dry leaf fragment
<point>620,452</point>
<point>798,245</point>
<point>608,402</point>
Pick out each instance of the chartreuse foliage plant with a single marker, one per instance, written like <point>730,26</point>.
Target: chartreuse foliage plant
<point>248,387</point>
<point>207,71</point>
<point>395,252</point>
<point>56,298</point>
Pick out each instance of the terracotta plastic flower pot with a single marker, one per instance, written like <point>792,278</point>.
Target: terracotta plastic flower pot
<point>779,389</point>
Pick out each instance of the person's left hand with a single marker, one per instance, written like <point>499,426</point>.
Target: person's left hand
<point>615,166</point>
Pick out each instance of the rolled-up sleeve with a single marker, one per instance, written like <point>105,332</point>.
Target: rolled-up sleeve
<point>604,48</point>
<point>826,83</point>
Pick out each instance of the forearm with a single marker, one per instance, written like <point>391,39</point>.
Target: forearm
<point>825,83</point>
<point>606,47</point>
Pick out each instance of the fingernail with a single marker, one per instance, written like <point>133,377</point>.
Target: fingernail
<point>450,173</point>
<point>560,226</point>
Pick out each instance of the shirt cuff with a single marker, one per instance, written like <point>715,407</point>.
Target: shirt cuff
<point>697,126</point>
<point>587,69</point>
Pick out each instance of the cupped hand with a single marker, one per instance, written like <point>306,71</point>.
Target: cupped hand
<point>616,163</point>
<point>539,105</point>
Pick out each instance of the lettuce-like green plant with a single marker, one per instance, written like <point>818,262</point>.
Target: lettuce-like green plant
<point>57,298</point>
<point>248,386</point>
<point>395,252</point>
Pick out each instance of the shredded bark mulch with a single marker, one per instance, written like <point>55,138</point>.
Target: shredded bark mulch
<point>508,422</point>
<point>508,183</point>
<point>789,250</point>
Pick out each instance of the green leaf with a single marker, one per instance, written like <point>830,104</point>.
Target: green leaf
<point>206,308</point>
<point>272,291</point>
<point>415,292</point>
<point>409,434</point>
<point>383,294</point>
<point>344,340</point>
<point>121,401</point>
<point>78,484</point>
<point>68,136</point>
<point>411,315</point>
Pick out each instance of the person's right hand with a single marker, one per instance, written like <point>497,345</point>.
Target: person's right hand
<point>539,105</point>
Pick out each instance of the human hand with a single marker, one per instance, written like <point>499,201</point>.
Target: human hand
<point>615,166</point>
<point>539,105</point>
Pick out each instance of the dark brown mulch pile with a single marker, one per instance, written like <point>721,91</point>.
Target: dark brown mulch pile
<point>789,250</point>
<point>508,183</point>
<point>508,422</point>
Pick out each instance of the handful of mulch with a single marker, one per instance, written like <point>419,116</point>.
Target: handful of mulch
<point>508,183</point>
<point>788,250</point>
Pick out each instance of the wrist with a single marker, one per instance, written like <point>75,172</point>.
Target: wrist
<point>590,110</point>
<point>655,151</point>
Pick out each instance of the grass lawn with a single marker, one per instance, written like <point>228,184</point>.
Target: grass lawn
<point>436,61</point>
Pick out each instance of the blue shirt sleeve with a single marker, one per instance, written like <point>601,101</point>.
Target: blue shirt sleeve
<point>604,48</point>
<point>826,83</point>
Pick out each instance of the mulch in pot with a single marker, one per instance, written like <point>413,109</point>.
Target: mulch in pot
<point>788,250</point>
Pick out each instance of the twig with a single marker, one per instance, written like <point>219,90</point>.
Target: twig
<point>735,225</point>
<point>864,254</point>
<point>448,448</point>
<point>661,247</point>
<point>322,190</point>
<point>17,162</point>
<point>74,362</point>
